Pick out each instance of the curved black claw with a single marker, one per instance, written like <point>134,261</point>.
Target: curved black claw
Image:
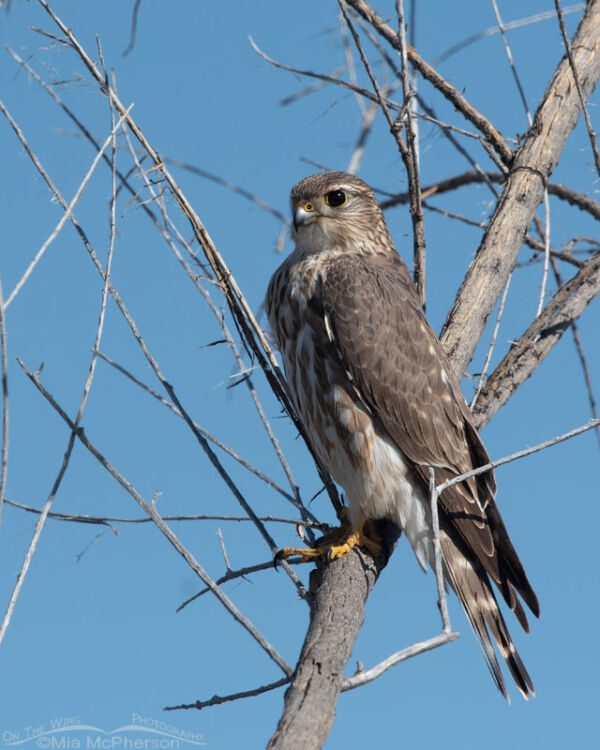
<point>279,556</point>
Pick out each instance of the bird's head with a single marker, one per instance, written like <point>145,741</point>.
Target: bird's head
<point>334,210</point>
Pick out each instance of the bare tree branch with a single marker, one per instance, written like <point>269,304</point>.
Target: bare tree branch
<point>588,122</point>
<point>216,700</point>
<point>110,520</point>
<point>340,591</point>
<point>408,154</point>
<point>368,675</point>
<point>519,454</point>
<point>209,436</point>
<point>243,315</point>
<point>555,119</point>
<point>414,180</point>
<point>86,389</point>
<point>492,30</point>
<point>546,330</point>
<point>580,353</point>
<point>430,74</point>
<point>134,22</point>
<point>573,197</point>
<point>159,521</point>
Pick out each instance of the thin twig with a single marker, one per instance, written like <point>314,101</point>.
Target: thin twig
<point>511,62</point>
<point>492,345</point>
<point>368,675</point>
<point>350,62</point>
<point>231,575</point>
<point>224,550</point>
<point>492,30</point>
<point>581,355</point>
<point>209,436</point>
<point>365,129</point>
<point>408,159</point>
<point>232,187</point>
<point>326,78</point>
<point>228,337</point>
<point>441,84</point>
<point>546,236</point>
<point>216,700</point>
<point>241,311</point>
<point>55,38</point>
<point>69,210</point>
<point>134,21</point>
<point>454,215</point>
<point>588,122</point>
<point>110,520</point>
<point>519,85</point>
<point>437,553</point>
<point>75,425</point>
<point>416,208</point>
<point>519,454</point>
<point>166,530</point>
<point>573,197</point>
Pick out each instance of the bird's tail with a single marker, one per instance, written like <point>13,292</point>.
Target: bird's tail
<point>470,581</point>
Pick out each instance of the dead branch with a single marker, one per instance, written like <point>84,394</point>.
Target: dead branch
<point>430,74</point>
<point>581,355</point>
<point>532,166</point>
<point>216,700</point>
<point>408,153</point>
<point>149,508</point>
<point>573,197</point>
<point>242,314</point>
<point>205,433</point>
<point>362,677</point>
<point>110,520</point>
<point>340,591</point>
<point>588,122</point>
<point>525,356</point>
<point>90,375</point>
<point>592,424</point>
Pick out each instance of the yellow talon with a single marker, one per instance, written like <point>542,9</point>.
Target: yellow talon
<point>336,543</point>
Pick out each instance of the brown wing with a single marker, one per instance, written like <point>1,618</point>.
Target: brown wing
<point>402,374</point>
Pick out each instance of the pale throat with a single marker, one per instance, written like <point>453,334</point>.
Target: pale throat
<point>318,239</point>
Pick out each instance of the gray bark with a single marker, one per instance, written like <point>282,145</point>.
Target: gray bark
<point>531,168</point>
<point>525,356</point>
<point>340,590</point>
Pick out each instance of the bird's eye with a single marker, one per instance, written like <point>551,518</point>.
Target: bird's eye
<point>336,198</point>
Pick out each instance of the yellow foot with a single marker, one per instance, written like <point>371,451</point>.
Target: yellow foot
<point>336,543</point>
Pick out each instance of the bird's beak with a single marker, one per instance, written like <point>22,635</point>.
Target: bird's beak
<point>304,214</point>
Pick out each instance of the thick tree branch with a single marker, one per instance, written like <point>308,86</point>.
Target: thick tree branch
<point>531,168</point>
<point>340,591</point>
<point>526,355</point>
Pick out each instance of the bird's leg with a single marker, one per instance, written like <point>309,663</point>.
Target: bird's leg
<point>337,543</point>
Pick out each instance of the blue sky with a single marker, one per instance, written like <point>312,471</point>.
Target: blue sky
<point>94,635</point>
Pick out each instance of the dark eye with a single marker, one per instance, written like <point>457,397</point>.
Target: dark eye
<point>336,198</point>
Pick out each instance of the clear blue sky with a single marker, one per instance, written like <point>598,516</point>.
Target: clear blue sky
<point>95,636</point>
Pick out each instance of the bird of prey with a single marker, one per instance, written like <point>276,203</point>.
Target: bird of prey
<point>380,404</point>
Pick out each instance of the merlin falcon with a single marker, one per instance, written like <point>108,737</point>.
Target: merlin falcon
<point>380,404</point>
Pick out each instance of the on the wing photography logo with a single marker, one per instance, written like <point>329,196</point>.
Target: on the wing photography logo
<point>71,733</point>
